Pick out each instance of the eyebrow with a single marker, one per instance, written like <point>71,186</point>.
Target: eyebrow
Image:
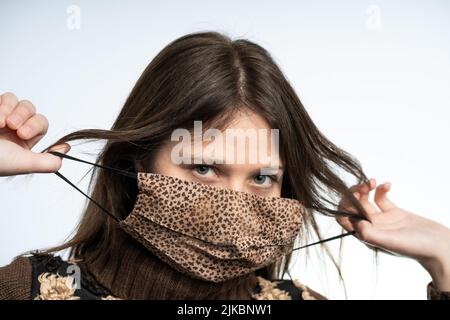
<point>197,160</point>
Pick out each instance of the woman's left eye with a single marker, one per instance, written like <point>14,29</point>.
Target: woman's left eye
<point>261,180</point>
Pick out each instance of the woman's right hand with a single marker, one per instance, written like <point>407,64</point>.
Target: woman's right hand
<point>20,129</point>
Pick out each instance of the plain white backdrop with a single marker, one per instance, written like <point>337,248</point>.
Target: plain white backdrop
<point>374,76</point>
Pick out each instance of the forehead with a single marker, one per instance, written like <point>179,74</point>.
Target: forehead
<point>245,139</point>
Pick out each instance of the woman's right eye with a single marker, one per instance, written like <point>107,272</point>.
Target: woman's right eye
<point>204,171</point>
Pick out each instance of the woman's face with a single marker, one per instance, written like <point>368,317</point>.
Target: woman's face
<point>253,166</point>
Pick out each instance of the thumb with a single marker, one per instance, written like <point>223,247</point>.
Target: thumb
<point>47,162</point>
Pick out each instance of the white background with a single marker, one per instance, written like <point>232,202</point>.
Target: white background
<point>374,76</point>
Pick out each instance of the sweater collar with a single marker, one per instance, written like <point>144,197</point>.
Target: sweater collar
<point>130,271</point>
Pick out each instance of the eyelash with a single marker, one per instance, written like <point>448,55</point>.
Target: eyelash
<point>205,166</point>
<point>273,178</point>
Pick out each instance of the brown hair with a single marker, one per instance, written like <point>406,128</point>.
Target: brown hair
<point>207,76</point>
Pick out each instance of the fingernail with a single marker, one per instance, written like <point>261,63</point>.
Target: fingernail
<point>65,149</point>
<point>62,149</point>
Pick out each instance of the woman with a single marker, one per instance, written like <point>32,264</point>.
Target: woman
<point>119,252</point>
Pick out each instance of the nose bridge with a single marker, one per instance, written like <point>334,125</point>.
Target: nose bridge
<point>236,183</point>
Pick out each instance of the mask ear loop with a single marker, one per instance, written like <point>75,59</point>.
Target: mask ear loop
<point>350,233</point>
<point>120,171</point>
<point>326,240</point>
<point>134,176</point>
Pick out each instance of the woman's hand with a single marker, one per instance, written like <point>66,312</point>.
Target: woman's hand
<point>401,232</point>
<point>20,129</point>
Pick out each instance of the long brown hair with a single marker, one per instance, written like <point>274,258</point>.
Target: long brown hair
<point>207,76</point>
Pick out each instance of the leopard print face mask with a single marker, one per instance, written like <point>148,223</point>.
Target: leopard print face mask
<point>207,232</point>
<point>211,233</point>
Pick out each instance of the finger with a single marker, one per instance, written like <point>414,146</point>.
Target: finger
<point>368,207</point>
<point>345,204</point>
<point>364,230</point>
<point>373,236</point>
<point>33,129</point>
<point>381,199</point>
<point>7,103</point>
<point>45,162</point>
<point>63,148</point>
<point>355,187</point>
<point>365,190</point>
<point>23,111</point>
<point>345,223</point>
<point>362,194</point>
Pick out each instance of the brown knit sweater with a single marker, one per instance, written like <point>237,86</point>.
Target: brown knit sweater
<point>15,280</point>
<point>130,272</point>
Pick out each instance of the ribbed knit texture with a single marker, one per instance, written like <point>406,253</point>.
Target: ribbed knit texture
<point>132,272</point>
<point>15,280</point>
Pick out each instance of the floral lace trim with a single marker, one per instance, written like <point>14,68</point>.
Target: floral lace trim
<point>270,291</point>
<point>110,297</point>
<point>57,287</point>
<point>306,295</point>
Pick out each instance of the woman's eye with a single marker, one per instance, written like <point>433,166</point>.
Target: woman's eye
<point>204,171</point>
<point>263,181</point>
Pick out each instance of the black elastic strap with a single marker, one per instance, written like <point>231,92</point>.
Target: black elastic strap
<point>120,171</point>
<point>95,202</point>
<point>134,175</point>
<point>325,240</point>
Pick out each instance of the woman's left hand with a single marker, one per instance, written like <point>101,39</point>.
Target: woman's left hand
<point>401,232</point>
